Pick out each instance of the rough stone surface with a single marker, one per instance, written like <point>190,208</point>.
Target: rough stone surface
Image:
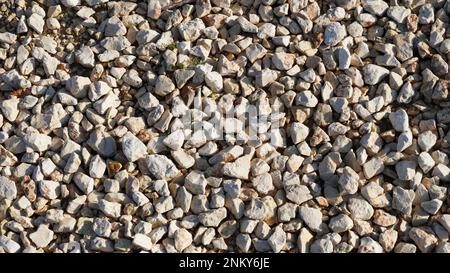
<point>205,126</point>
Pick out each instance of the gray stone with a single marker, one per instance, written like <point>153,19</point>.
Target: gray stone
<point>334,33</point>
<point>278,239</point>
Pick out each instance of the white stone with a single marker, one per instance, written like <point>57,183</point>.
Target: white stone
<point>42,236</point>
<point>133,147</point>
<point>84,182</point>
<point>161,167</point>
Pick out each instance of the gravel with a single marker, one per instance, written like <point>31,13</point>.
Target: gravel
<point>224,126</point>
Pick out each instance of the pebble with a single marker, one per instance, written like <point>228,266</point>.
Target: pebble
<point>426,14</point>
<point>383,218</point>
<point>360,208</point>
<point>373,74</point>
<point>214,81</point>
<point>340,223</point>
<point>398,13</point>
<point>8,37</point>
<point>212,218</point>
<point>36,22</point>
<point>49,189</point>
<point>348,181</point>
<point>163,85</point>
<point>307,99</point>
<point>161,167</point>
<point>255,52</point>
<point>240,168</point>
<point>142,241</point>
<point>297,193</point>
<point>299,132</point>
<point>376,7</point>
<point>38,142</point>
<point>322,246</point>
<point>8,245</point>
<point>97,167</point>
<point>283,61</point>
<point>425,161</point>
<point>373,167</point>
<point>133,148</point>
<point>42,236</point>
<point>10,108</point>
<point>432,206</point>
<point>110,209</point>
<point>183,239</point>
<point>334,33</point>
<point>78,86</point>
<point>442,172</point>
<point>405,248</point>
<point>426,140</point>
<point>424,240</point>
<point>369,245</point>
<point>312,217</point>
<point>232,187</point>
<point>191,30</point>
<point>102,142</point>
<point>406,93</point>
<point>399,120</point>
<point>402,200</point>
<point>344,58</point>
<point>388,239</point>
<point>263,183</point>
<point>277,240</point>
<point>406,169</point>
<point>70,3</point>
<point>8,188</point>
<point>85,57</point>
<point>195,182</point>
<point>84,182</point>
